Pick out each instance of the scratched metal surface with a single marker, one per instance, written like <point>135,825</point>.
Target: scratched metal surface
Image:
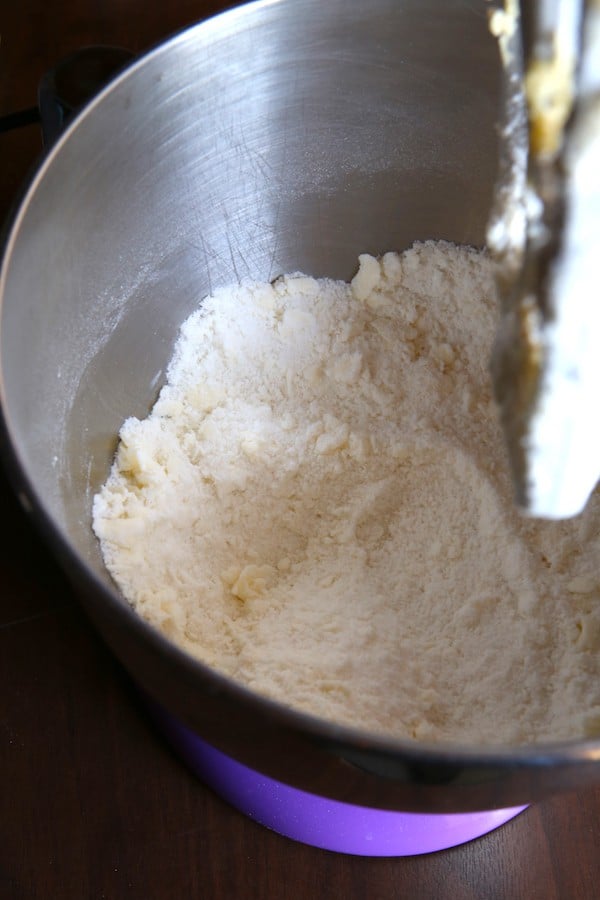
<point>269,140</point>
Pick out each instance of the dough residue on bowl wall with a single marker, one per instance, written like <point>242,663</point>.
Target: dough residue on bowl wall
<point>319,506</point>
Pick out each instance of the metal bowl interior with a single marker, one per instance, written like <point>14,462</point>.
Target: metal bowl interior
<point>280,136</point>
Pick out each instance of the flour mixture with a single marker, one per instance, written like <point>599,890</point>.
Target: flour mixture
<point>319,506</point>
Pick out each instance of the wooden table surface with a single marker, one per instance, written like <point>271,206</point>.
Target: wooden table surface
<point>92,803</point>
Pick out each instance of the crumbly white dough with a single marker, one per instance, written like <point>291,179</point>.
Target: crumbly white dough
<point>319,506</point>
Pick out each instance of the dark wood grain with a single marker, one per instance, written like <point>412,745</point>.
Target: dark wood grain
<point>92,802</point>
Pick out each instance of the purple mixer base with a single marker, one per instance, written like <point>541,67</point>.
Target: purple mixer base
<point>319,821</point>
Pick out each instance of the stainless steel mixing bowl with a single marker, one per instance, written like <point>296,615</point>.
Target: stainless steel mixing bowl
<point>280,136</point>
